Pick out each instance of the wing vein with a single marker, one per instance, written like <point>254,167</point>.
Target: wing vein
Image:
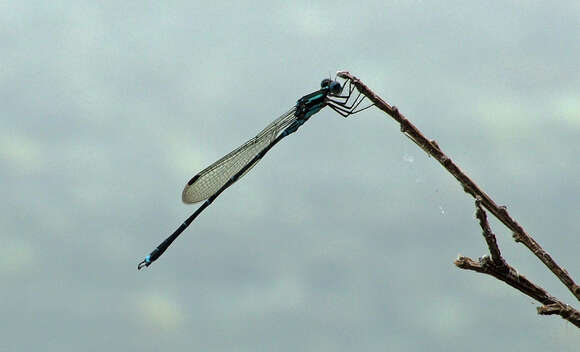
<point>211,179</point>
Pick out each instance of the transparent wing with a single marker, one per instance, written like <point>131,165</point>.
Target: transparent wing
<point>206,183</point>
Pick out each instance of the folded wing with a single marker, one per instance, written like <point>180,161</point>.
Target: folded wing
<point>207,182</point>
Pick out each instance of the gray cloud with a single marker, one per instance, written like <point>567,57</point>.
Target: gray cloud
<point>343,237</point>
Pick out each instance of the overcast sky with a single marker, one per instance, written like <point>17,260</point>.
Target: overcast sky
<point>343,237</point>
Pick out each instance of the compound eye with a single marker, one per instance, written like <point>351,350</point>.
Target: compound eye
<point>334,87</point>
<point>325,82</point>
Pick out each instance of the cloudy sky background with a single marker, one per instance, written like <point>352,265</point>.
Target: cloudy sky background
<point>343,237</point>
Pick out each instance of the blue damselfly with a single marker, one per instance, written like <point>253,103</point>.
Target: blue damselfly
<point>211,182</point>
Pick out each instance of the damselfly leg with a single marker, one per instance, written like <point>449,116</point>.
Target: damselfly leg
<point>345,105</point>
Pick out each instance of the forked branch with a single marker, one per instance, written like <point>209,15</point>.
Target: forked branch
<point>494,265</point>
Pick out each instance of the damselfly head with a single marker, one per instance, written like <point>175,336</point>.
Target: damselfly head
<point>333,86</point>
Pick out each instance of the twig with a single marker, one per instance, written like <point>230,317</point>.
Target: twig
<point>497,267</point>
<point>488,235</point>
<point>500,212</point>
<point>510,276</point>
<point>563,310</point>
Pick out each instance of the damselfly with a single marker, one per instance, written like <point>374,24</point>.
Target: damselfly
<point>211,182</point>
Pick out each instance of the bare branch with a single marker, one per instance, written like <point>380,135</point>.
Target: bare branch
<point>510,276</point>
<point>495,265</point>
<point>500,269</point>
<point>500,212</point>
<point>564,310</point>
<point>488,235</point>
